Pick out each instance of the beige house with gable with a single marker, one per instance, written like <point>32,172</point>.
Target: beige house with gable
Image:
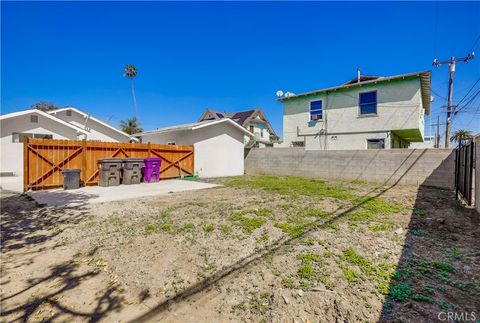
<point>368,112</point>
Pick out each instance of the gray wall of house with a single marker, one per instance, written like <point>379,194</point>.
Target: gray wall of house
<point>433,167</point>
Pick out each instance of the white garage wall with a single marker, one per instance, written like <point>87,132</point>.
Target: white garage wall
<point>219,148</point>
<point>12,153</point>
<point>219,151</point>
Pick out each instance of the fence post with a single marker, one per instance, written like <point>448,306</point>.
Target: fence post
<point>84,162</point>
<point>149,145</point>
<point>25,163</point>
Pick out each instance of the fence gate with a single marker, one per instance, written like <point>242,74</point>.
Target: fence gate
<point>464,169</point>
<point>44,160</point>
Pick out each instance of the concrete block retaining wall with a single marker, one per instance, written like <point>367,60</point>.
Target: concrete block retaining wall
<point>432,167</point>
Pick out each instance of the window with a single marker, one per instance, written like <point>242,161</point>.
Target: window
<point>375,143</point>
<point>34,119</point>
<point>68,113</point>
<point>17,137</point>
<point>171,143</point>
<point>368,102</point>
<point>316,110</point>
<point>252,129</point>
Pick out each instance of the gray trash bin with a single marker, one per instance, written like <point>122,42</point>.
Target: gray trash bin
<point>132,171</point>
<point>110,170</point>
<point>71,179</point>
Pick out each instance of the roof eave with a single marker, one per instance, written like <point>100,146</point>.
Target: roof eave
<point>347,86</point>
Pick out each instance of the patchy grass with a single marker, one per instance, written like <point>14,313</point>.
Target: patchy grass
<point>247,224</point>
<point>381,274</point>
<point>349,273</point>
<point>260,303</point>
<point>377,205</point>
<point>293,230</point>
<point>292,186</point>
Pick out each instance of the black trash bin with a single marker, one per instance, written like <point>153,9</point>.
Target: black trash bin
<point>71,179</point>
<point>110,171</point>
<point>132,171</point>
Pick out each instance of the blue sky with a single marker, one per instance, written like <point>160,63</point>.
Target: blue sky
<point>227,56</point>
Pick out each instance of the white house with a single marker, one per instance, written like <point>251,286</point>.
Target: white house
<point>59,124</point>
<point>368,112</point>
<point>218,145</point>
<point>96,129</point>
<point>253,120</point>
<point>428,142</point>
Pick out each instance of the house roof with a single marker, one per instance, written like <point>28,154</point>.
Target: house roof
<point>195,126</point>
<point>44,114</point>
<point>94,119</point>
<point>424,86</point>
<point>240,117</point>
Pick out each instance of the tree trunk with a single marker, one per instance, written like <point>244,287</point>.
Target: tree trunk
<point>134,99</point>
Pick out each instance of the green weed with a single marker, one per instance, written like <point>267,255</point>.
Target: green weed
<point>288,282</point>
<point>422,298</point>
<point>247,224</point>
<point>377,205</point>
<point>293,230</point>
<point>262,302</point>
<point>418,212</point>
<point>208,228</point>
<point>400,292</point>
<point>349,273</point>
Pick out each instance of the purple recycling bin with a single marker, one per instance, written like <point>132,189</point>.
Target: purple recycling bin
<point>151,171</point>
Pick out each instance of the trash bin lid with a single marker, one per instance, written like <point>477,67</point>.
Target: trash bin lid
<point>132,160</point>
<point>110,160</point>
<point>66,171</point>
<point>152,159</point>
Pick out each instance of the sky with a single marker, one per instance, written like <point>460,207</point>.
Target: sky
<point>227,56</point>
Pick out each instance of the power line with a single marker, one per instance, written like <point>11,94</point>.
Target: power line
<point>468,92</point>
<point>451,64</point>
<point>475,43</point>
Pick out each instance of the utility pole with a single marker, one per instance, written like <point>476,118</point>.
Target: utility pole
<point>451,64</point>
<point>437,137</point>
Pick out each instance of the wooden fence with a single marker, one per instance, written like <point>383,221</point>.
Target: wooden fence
<point>44,160</point>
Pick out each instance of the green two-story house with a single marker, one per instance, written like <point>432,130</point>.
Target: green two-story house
<point>368,112</point>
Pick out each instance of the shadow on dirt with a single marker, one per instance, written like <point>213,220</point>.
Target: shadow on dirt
<point>65,278</point>
<point>252,259</point>
<point>26,223</point>
<point>439,269</point>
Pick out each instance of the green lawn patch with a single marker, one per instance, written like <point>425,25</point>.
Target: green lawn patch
<point>292,186</point>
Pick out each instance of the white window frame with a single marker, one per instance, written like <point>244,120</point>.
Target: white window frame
<point>366,142</point>
<point>310,110</point>
<point>360,114</point>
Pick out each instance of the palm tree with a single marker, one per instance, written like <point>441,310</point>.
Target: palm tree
<point>461,134</point>
<point>130,71</point>
<point>131,126</point>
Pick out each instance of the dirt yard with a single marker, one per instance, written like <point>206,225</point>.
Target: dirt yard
<point>260,249</point>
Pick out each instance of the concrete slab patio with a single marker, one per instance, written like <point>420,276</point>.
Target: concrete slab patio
<point>97,194</point>
<point>12,183</point>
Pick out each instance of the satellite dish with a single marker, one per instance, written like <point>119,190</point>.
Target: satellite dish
<point>279,93</point>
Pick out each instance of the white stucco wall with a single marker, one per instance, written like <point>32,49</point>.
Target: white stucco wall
<point>219,149</point>
<point>399,107</point>
<point>96,131</point>
<point>12,153</point>
<point>344,142</point>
